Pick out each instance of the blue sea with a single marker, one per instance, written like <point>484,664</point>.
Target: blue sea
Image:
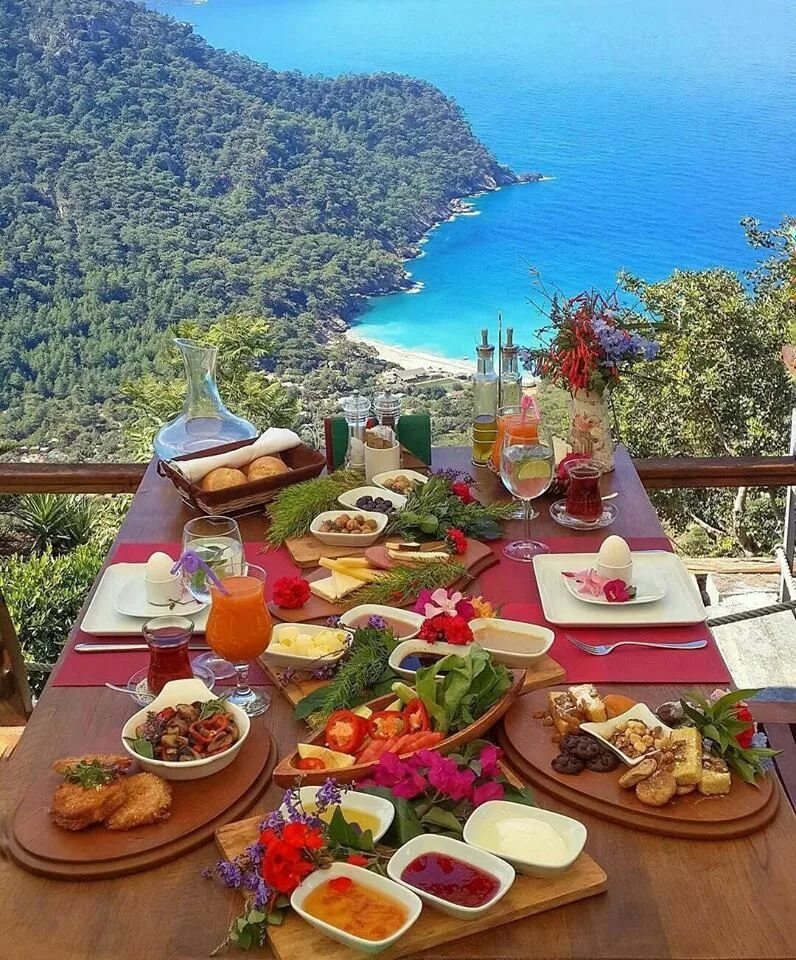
<point>661,122</point>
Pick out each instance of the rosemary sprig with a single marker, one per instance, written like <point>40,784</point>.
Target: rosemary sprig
<point>402,584</point>
<point>90,776</point>
<point>296,507</point>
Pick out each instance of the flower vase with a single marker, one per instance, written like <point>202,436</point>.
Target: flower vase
<point>204,421</point>
<point>590,426</point>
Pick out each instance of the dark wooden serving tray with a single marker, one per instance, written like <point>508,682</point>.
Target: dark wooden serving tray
<point>529,748</point>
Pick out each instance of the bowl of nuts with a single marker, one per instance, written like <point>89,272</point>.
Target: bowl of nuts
<point>349,528</point>
<point>633,735</point>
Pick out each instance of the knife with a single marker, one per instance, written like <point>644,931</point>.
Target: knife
<point>124,647</point>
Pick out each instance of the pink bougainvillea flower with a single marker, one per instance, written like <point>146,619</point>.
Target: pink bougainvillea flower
<point>491,790</point>
<point>489,757</point>
<point>465,609</point>
<point>423,598</point>
<point>589,582</point>
<point>617,591</point>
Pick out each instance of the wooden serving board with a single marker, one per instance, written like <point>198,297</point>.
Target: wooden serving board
<point>297,940</point>
<point>307,551</point>
<point>530,749</point>
<point>477,558</point>
<point>544,673</point>
<point>199,807</point>
<point>286,773</point>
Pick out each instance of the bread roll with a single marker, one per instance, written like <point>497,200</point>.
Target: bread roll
<point>264,467</point>
<point>221,478</point>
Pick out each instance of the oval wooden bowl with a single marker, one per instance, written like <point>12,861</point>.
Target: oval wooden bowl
<point>286,773</point>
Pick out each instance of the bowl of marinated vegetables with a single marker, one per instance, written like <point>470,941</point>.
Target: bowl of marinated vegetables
<point>186,732</point>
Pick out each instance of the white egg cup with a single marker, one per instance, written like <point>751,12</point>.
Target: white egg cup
<point>624,573</point>
<point>162,593</point>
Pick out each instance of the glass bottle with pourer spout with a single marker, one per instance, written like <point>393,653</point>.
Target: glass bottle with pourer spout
<point>485,399</point>
<point>510,377</point>
<point>204,420</point>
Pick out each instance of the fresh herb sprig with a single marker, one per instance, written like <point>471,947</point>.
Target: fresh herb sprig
<point>90,776</point>
<point>402,584</point>
<point>433,508</point>
<point>211,707</point>
<point>296,506</point>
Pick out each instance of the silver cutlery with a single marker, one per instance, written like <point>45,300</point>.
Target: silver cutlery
<point>141,698</point>
<point>610,496</point>
<point>124,647</point>
<point>601,649</point>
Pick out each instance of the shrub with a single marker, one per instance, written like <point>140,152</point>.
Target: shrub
<point>55,522</point>
<point>44,595</point>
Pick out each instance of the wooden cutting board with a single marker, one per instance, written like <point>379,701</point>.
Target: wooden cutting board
<point>296,940</point>
<point>307,551</point>
<point>530,749</point>
<point>199,807</point>
<point>477,558</point>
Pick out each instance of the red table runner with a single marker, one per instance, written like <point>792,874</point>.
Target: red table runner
<point>95,669</point>
<point>514,584</point>
<point>509,583</point>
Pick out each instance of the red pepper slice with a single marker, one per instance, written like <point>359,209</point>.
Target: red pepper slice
<point>416,716</point>
<point>345,731</point>
<point>167,713</point>
<point>310,763</point>
<point>386,724</point>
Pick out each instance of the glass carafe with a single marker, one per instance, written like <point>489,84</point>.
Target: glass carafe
<point>204,420</point>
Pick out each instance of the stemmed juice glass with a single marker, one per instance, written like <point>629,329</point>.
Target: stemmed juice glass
<point>218,542</point>
<point>526,469</point>
<point>521,424</point>
<point>239,629</point>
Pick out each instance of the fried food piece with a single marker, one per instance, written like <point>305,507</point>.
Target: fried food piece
<point>75,807</point>
<point>636,774</point>
<point>658,789</point>
<point>716,778</point>
<point>616,704</point>
<point>687,743</point>
<point>147,799</point>
<point>686,788</point>
<point>110,760</point>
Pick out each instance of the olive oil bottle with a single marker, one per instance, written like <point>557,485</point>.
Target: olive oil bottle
<point>485,401</point>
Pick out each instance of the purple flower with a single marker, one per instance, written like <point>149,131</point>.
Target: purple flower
<point>491,790</point>
<point>229,873</point>
<point>760,740</point>
<point>333,621</point>
<point>274,821</point>
<point>329,795</point>
<point>324,672</point>
<point>377,623</point>
<point>287,676</point>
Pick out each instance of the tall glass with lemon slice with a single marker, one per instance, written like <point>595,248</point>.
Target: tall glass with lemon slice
<point>526,469</point>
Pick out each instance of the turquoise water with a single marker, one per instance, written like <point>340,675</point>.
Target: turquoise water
<point>662,124</point>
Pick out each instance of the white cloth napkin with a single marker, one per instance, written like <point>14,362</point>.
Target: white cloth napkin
<point>274,440</point>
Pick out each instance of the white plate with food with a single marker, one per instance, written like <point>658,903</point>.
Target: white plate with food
<point>352,498</point>
<point>333,527</point>
<point>102,619</point>
<point>647,591</point>
<point>399,481</point>
<point>131,601</point>
<point>305,646</point>
<point>607,731</point>
<point>680,605</point>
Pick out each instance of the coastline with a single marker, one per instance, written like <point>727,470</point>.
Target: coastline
<point>413,359</point>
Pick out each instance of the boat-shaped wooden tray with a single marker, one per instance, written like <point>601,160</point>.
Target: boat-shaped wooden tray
<point>286,772</point>
<point>530,749</point>
<point>477,558</point>
<point>198,808</point>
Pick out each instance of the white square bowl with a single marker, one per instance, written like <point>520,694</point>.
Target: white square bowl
<point>281,658</point>
<point>380,479</point>
<point>408,623</point>
<point>430,843</point>
<point>572,832</point>
<point>512,642</point>
<point>603,731</point>
<point>353,800</point>
<point>397,891</point>
<point>350,497</point>
<point>348,539</point>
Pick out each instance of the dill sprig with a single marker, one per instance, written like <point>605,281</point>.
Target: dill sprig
<point>402,584</point>
<point>296,506</point>
<point>90,776</point>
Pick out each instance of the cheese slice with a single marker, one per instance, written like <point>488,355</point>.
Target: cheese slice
<point>335,587</point>
<point>324,589</point>
<point>418,555</point>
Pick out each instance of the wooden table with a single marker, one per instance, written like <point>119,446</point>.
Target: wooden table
<point>666,898</point>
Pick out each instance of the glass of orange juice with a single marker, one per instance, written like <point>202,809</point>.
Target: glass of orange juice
<point>239,629</point>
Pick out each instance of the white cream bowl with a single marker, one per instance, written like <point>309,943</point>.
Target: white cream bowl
<point>409,900</point>
<point>184,691</point>
<point>572,832</point>
<point>502,871</point>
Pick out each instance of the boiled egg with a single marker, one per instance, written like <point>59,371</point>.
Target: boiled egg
<point>158,567</point>
<point>614,553</point>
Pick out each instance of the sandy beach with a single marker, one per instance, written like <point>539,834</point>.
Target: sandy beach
<point>412,359</point>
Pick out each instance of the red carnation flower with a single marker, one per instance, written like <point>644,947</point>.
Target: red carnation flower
<point>744,714</point>
<point>457,630</point>
<point>456,540</point>
<point>462,491</point>
<point>291,592</point>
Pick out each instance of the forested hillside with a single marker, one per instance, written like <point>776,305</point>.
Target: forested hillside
<point>146,178</point>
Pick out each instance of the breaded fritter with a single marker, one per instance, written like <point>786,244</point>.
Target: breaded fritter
<point>75,807</point>
<point>110,760</point>
<point>147,799</point>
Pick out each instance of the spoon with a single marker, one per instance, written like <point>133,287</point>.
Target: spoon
<point>140,697</point>
<point>610,496</point>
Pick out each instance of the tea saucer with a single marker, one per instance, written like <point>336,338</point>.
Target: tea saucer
<point>558,511</point>
<point>131,601</point>
<point>647,591</point>
<point>138,687</point>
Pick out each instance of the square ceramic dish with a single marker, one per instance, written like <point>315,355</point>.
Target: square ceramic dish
<point>284,658</point>
<point>350,497</point>
<point>409,900</point>
<point>603,731</point>
<point>429,843</point>
<point>348,539</point>
<point>512,642</point>
<point>681,605</point>
<point>571,832</point>
<point>352,801</point>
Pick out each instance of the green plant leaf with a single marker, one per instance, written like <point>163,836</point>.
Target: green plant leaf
<point>345,834</point>
<point>735,696</point>
<point>439,817</point>
<point>518,795</point>
<point>406,825</point>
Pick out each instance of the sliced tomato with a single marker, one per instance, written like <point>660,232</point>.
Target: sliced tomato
<point>416,716</point>
<point>310,763</point>
<point>345,731</point>
<point>386,724</point>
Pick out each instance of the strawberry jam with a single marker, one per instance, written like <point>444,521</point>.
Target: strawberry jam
<point>451,879</point>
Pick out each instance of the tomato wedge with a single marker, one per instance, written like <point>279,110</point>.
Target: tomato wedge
<point>310,763</point>
<point>345,731</point>
<point>386,724</point>
<point>416,716</point>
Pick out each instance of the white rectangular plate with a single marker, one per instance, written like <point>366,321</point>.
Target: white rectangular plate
<point>103,620</point>
<point>681,605</point>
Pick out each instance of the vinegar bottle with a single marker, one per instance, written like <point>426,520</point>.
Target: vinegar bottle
<point>485,401</point>
<point>510,378</point>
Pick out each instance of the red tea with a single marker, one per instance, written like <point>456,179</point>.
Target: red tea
<point>168,655</point>
<point>583,493</point>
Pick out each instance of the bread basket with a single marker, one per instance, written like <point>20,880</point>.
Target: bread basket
<point>304,462</point>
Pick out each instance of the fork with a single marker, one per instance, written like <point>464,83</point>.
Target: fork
<point>602,649</point>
